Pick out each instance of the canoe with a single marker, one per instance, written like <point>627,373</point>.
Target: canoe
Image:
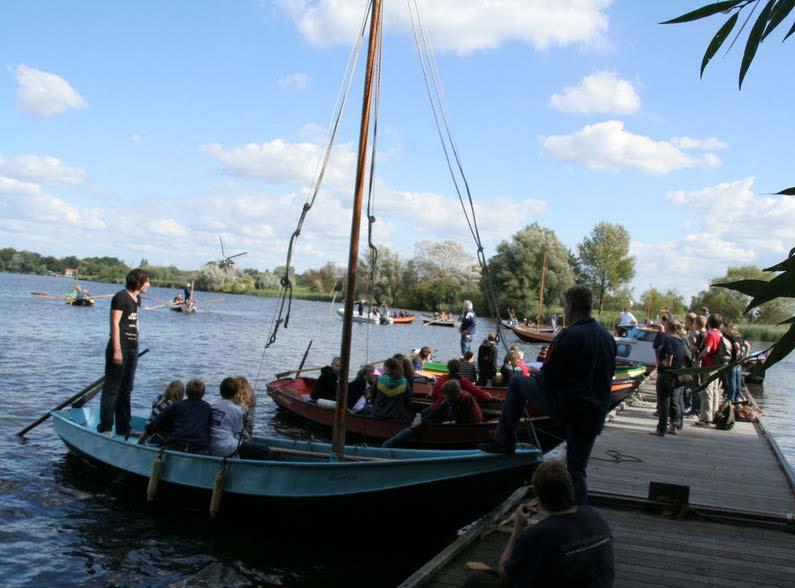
<point>533,335</point>
<point>371,318</point>
<point>432,322</point>
<point>293,395</point>
<point>80,301</point>
<point>297,470</point>
<point>403,320</point>
<point>188,307</point>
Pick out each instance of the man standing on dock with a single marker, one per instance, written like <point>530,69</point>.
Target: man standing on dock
<point>573,386</point>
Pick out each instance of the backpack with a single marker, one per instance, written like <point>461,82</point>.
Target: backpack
<point>724,418</point>
<point>724,353</point>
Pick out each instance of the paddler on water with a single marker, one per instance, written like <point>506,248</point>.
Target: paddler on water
<point>121,354</point>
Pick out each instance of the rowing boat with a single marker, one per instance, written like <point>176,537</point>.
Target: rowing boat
<point>403,320</point>
<point>533,334</point>
<point>186,307</point>
<point>432,322</point>
<point>85,301</point>
<point>372,318</point>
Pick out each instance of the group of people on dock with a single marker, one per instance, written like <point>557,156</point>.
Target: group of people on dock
<point>702,341</point>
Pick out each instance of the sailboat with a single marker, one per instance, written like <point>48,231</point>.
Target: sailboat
<point>536,333</point>
<point>306,471</point>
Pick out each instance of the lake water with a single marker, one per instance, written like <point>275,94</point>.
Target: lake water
<point>64,523</point>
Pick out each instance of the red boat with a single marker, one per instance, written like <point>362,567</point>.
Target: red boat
<point>294,396</point>
<point>533,334</point>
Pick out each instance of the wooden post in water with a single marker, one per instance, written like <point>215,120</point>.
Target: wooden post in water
<point>353,252</point>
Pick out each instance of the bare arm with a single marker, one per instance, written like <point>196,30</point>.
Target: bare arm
<point>520,520</point>
<point>115,335</point>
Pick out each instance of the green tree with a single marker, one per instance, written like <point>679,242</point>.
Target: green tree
<point>656,302</point>
<point>516,269</point>
<point>605,259</point>
<point>210,277</point>
<point>387,282</point>
<point>445,260</point>
<point>732,304</point>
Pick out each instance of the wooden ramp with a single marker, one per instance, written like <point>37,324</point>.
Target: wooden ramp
<point>737,477</point>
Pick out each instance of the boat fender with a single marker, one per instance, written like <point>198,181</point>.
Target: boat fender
<point>154,478</point>
<point>218,489</point>
<point>328,404</point>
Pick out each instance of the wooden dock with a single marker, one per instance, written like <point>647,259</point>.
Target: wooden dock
<point>737,530</point>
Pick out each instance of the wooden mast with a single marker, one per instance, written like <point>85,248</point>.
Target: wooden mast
<point>353,253</point>
<point>541,295</point>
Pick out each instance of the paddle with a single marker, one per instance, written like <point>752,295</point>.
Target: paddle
<point>44,295</point>
<point>91,389</point>
<point>303,359</point>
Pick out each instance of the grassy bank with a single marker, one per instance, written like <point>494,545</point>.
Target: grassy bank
<point>760,332</point>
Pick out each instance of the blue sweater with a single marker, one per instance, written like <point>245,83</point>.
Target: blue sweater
<point>186,422</point>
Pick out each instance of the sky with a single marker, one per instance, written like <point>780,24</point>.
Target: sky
<point>149,129</point>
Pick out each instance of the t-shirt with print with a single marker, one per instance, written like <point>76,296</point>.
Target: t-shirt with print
<point>226,423</point>
<point>574,549</point>
<point>711,344</point>
<point>129,325</point>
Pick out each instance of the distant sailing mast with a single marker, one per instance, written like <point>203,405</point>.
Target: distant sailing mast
<point>541,295</point>
<point>373,51</point>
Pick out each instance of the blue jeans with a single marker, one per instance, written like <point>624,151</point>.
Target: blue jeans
<point>738,387</point>
<point>579,443</point>
<point>466,343</point>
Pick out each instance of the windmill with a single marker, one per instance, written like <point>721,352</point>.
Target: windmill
<point>227,262</point>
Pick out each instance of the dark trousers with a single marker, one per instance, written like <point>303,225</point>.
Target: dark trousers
<point>399,439</point>
<point>116,391</point>
<point>579,442</point>
<point>669,402</point>
<point>252,450</point>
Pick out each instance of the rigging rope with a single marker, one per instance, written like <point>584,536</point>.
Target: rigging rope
<point>286,296</point>
<point>441,119</point>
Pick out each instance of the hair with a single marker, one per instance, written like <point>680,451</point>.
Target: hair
<point>394,368</point>
<point>365,371</point>
<point>553,486</point>
<point>337,359</point>
<point>229,388</point>
<point>672,326</point>
<point>454,367</point>
<point>491,337</point>
<point>735,332</point>
<point>425,352</point>
<point>580,298</point>
<point>174,391</point>
<point>195,389</point>
<point>451,387</point>
<point>468,355</point>
<point>244,395</point>
<point>714,321</point>
<point>704,310</point>
<point>137,278</point>
<point>514,355</point>
<point>701,321</point>
<point>467,305</point>
<point>691,318</point>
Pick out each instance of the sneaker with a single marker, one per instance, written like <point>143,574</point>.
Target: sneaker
<point>494,447</point>
<point>101,429</point>
<point>658,433</point>
<point>700,423</point>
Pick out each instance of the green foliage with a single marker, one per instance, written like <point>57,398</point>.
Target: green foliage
<point>732,295</point>
<point>516,269</point>
<point>605,260</point>
<point>659,302</point>
<point>773,13</point>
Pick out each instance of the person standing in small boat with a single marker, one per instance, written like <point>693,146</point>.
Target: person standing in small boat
<point>186,293</point>
<point>467,328</point>
<point>326,385</point>
<point>121,354</point>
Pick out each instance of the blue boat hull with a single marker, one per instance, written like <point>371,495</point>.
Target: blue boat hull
<point>405,471</point>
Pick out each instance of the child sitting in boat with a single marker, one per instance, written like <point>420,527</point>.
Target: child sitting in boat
<point>184,425</point>
<point>247,402</point>
<point>360,390</point>
<point>326,385</point>
<point>419,360</point>
<point>174,392</point>
<point>391,389</point>
<point>228,438</point>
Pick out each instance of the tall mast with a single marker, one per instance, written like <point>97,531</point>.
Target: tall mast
<point>541,295</point>
<point>353,251</point>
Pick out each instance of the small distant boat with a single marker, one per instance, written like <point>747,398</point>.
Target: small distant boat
<point>533,334</point>
<point>373,317</point>
<point>403,320</point>
<point>434,322</point>
<point>186,307</point>
<point>83,301</point>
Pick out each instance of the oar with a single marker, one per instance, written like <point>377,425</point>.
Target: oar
<point>103,296</point>
<point>91,389</point>
<point>155,307</point>
<point>44,295</point>
<point>281,375</point>
<point>214,301</point>
<point>80,402</point>
<point>303,359</point>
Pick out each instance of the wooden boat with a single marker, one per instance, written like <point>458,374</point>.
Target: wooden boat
<point>297,470</point>
<point>403,320</point>
<point>186,307</point>
<point>294,396</point>
<point>432,322</point>
<point>533,334</point>
<point>85,301</point>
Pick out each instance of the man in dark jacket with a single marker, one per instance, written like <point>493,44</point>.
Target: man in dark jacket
<point>487,360</point>
<point>326,385</point>
<point>573,386</point>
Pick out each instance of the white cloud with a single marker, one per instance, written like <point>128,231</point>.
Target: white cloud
<point>463,26</point>
<point>295,81</point>
<point>45,94</point>
<point>279,161</point>
<point>24,201</point>
<point>710,144</point>
<point>136,138</point>
<point>600,93</point>
<point>607,145</point>
<point>41,169</point>
<point>168,228</point>
<point>11,187</point>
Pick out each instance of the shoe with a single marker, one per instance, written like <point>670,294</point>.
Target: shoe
<point>658,433</point>
<point>701,423</point>
<point>672,430</point>
<point>494,447</point>
<point>101,429</point>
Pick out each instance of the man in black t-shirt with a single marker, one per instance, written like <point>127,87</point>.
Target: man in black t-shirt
<point>573,546</point>
<point>121,354</point>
